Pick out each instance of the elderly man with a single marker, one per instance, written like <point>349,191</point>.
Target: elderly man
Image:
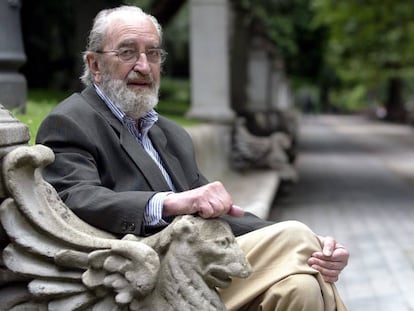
<point>125,169</point>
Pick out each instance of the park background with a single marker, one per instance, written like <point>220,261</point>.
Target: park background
<point>339,56</point>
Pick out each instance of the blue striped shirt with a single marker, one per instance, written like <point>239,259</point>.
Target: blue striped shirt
<point>153,210</point>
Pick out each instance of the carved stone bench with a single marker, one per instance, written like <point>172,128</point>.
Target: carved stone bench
<point>52,260</point>
<point>253,185</point>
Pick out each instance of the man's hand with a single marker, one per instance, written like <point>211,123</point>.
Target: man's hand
<point>208,201</point>
<point>331,261</point>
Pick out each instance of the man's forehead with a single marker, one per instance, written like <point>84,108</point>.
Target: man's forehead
<point>128,29</point>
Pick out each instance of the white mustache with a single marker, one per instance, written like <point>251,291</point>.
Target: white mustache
<point>135,76</point>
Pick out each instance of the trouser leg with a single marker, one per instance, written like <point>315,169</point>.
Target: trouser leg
<point>276,253</point>
<point>299,292</point>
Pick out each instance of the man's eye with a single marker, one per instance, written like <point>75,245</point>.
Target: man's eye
<point>153,53</point>
<point>126,53</point>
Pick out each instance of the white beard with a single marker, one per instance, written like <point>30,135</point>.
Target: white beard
<point>133,104</point>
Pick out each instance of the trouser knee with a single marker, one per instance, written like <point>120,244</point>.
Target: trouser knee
<point>297,292</point>
<point>295,232</point>
<point>294,226</point>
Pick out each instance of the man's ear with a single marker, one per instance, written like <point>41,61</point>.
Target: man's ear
<point>94,66</point>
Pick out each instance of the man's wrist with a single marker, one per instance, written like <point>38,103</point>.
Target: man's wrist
<point>153,215</point>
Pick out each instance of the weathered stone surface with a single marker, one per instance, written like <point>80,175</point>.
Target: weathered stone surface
<point>12,134</point>
<point>201,255</point>
<point>250,151</point>
<point>14,294</point>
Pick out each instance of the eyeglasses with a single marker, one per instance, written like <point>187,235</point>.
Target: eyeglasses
<point>129,55</point>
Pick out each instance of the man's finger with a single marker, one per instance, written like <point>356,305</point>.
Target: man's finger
<point>236,211</point>
<point>328,246</point>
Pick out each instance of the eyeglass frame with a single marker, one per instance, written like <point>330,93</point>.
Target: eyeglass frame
<point>137,54</point>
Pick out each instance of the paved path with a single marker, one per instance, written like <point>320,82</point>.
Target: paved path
<point>357,184</point>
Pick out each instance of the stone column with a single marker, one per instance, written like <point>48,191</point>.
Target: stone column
<point>13,87</point>
<point>281,98</point>
<point>259,77</point>
<point>210,72</point>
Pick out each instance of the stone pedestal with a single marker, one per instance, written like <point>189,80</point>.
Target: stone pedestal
<point>13,87</point>
<point>210,72</point>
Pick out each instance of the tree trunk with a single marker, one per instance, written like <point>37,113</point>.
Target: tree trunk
<point>165,10</point>
<point>394,102</point>
<point>324,103</point>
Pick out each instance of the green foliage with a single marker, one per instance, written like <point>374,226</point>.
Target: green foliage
<point>39,104</point>
<point>176,42</point>
<point>353,99</point>
<point>144,4</point>
<point>369,41</point>
<point>288,25</point>
<point>370,44</point>
<point>174,96</point>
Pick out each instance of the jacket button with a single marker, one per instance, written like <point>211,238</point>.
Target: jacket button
<point>124,226</point>
<point>128,226</point>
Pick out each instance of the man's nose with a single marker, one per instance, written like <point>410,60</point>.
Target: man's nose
<point>142,65</point>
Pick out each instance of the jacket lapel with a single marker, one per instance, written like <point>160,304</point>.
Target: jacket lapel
<point>143,161</point>
<point>171,163</point>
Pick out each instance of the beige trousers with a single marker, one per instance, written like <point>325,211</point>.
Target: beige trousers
<point>281,279</point>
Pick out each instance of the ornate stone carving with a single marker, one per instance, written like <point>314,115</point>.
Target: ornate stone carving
<point>56,261</point>
<point>250,151</point>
